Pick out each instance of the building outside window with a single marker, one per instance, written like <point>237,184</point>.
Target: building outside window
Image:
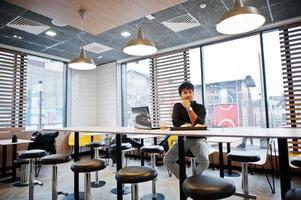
<point>45,101</point>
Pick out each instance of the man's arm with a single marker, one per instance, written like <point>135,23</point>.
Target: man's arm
<point>176,116</point>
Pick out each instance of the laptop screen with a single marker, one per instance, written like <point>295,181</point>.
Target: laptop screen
<point>141,117</point>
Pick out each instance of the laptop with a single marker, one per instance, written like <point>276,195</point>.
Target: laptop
<point>141,118</point>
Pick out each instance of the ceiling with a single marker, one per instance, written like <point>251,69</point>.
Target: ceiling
<point>103,26</point>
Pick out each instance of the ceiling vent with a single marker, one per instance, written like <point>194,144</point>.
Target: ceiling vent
<point>27,25</point>
<point>97,48</point>
<point>181,23</point>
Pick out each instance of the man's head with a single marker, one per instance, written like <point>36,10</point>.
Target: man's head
<point>186,91</point>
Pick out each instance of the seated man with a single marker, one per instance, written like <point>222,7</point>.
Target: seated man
<point>188,112</point>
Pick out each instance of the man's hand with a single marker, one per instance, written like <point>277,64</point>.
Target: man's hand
<point>186,103</point>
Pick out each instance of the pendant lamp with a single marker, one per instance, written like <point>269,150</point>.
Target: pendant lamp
<point>82,62</point>
<point>140,46</point>
<point>240,19</point>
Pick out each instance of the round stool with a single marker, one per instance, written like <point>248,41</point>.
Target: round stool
<point>53,160</point>
<point>23,164</point>
<point>86,166</point>
<point>95,146</point>
<point>31,155</point>
<point>244,157</point>
<point>207,187</point>
<point>153,150</point>
<point>295,193</point>
<point>135,175</point>
<point>124,148</point>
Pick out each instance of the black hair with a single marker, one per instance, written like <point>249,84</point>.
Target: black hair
<point>185,85</point>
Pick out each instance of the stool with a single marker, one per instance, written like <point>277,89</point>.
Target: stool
<point>244,157</point>
<point>53,160</point>
<point>124,148</point>
<point>23,164</point>
<point>207,187</point>
<point>295,193</point>
<point>31,155</point>
<point>86,166</point>
<point>95,146</point>
<point>153,150</point>
<point>135,175</point>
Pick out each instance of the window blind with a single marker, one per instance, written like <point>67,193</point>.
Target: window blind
<point>167,72</point>
<point>290,46</point>
<point>12,89</point>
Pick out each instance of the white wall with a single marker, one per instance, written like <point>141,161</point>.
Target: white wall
<point>93,97</point>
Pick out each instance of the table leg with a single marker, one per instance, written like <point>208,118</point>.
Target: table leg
<point>221,160</point>
<point>230,173</point>
<point>4,152</point>
<point>76,158</point>
<point>118,164</point>
<point>13,165</point>
<point>284,172</point>
<point>141,153</point>
<point>182,165</point>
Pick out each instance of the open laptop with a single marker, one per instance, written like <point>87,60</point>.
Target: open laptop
<point>141,118</point>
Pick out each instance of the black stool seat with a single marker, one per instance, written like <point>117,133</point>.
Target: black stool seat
<point>244,156</point>
<point>54,159</point>
<point>124,146</point>
<point>135,174</point>
<point>88,165</point>
<point>34,153</point>
<point>293,194</point>
<point>207,187</point>
<point>152,149</point>
<point>95,144</point>
<point>297,161</point>
<point>21,162</point>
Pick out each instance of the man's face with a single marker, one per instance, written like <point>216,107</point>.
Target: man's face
<point>187,94</point>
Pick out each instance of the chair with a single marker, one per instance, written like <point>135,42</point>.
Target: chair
<point>265,156</point>
<point>31,155</point>
<point>87,166</point>
<point>245,157</point>
<point>134,175</point>
<point>53,160</point>
<point>295,193</point>
<point>208,187</point>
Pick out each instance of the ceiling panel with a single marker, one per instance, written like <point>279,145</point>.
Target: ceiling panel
<point>67,42</point>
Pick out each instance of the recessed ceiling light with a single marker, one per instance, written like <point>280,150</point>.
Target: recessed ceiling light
<point>18,37</point>
<point>99,57</point>
<point>15,36</point>
<point>58,23</point>
<point>203,5</point>
<point>50,33</point>
<point>125,34</point>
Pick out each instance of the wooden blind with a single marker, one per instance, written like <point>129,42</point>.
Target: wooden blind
<point>167,72</point>
<point>13,67</point>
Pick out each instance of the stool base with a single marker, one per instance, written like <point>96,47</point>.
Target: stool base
<point>71,196</point>
<point>99,184</point>
<point>126,190</point>
<point>233,174</point>
<point>19,184</point>
<point>150,197</point>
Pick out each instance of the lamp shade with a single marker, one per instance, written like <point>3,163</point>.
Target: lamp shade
<point>82,62</point>
<point>140,46</point>
<point>240,19</point>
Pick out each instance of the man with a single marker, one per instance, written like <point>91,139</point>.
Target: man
<point>188,113</point>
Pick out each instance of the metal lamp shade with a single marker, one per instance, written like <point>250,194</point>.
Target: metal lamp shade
<point>140,46</point>
<point>240,20</point>
<point>82,62</point>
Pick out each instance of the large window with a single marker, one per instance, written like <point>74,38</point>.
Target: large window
<point>136,83</point>
<point>233,92</point>
<point>275,97</point>
<point>45,104</point>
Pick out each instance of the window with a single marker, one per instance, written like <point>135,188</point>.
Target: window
<point>136,87</point>
<point>233,83</point>
<point>272,58</point>
<point>45,103</point>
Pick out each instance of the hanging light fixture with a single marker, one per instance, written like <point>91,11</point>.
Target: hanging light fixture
<point>82,62</point>
<point>240,19</point>
<point>140,46</point>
